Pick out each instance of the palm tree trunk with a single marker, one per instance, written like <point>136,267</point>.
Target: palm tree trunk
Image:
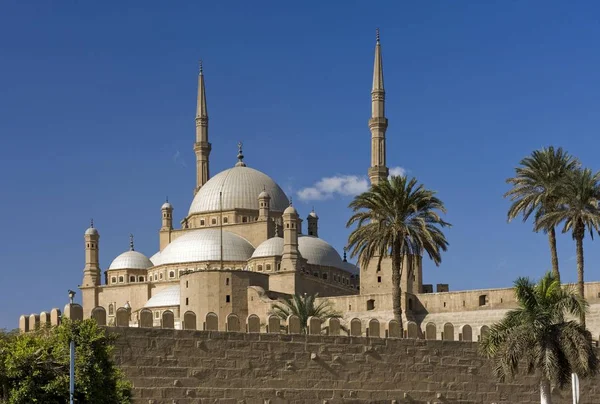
<point>396,291</point>
<point>580,284</point>
<point>545,393</point>
<point>553,252</point>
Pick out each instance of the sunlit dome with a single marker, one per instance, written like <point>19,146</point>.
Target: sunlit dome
<point>131,260</point>
<point>315,250</point>
<point>205,245</point>
<point>240,187</point>
<point>155,258</point>
<point>269,248</point>
<point>165,298</point>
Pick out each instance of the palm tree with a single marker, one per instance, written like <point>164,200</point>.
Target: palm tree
<point>537,334</point>
<point>304,306</point>
<point>580,212</point>
<point>536,186</point>
<point>395,218</point>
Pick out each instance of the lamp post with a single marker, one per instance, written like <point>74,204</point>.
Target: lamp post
<point>72,356</point>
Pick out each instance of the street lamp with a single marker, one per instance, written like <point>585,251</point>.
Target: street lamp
<point>72,354</point>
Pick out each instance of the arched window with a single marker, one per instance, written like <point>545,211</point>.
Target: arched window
<point>325,276</point>
<point>213,221</point>
<point>160,276</point>
<point>121,279</point>
<point>171,274</point>
<point>226,281</point>
<point>260,267</point>
<point>140,279</point>
<point>268,267</point>
<point>111,310</point>
<point>132,279</point>
<point>155,277</point>
<point>113,279</point>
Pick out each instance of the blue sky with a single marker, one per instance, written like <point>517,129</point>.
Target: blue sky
<point>97,108</point>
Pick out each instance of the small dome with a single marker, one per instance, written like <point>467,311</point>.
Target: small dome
<point>350,267</point>
<point>167,297</point>
<point>131,260</point>
<point>315,250</point>
<point>205,245</point>
<point>156,258</point>
<point>290,210</point>
<point>269,248</point>
<point>319,252</point>
<point>166,205</point>
<point>264,194</point>
<point>312,214</point>
<point>91,231</point>
<point>239,187</point>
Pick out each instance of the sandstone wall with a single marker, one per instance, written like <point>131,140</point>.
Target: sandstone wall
<point>185,367</point>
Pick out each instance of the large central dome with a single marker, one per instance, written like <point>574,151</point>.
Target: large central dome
<point>240,186</point>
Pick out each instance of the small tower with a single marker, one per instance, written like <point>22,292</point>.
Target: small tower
<point>313,224</point>
<point>264,206</point>
<point>201,147</point>
<point>91,271</point>
<point>378,123</point>
<point>291,254</point>
<point>166,230</point>
<point>167,216</point>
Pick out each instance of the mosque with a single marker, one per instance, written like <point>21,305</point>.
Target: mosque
<point>242,245</point>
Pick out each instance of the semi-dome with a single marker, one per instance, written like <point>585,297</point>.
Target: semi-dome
<point>350,267</point>
<point>319,252</point>
<point>316,251</point>
<point>155,258</point>
<point>240,187</point>
<point>205,245</point>
<point>165,298</point>
<point>131,260</point>
<point>269,248</point>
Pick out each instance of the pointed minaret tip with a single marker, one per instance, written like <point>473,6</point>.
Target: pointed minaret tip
<point>377,36</point>
<point>240,156</point>
<point>131,242</point>
<point>201,109</point>
<point>378,67</point>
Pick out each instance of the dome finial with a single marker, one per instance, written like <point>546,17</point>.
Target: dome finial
<point>131,242</point>
<point>167,199</point>
<point>91,223</point>
<point>377,36</point>
<point>291,204</point>
<point>201,69</point>
<point>345,249</point>
<point>240,156</point>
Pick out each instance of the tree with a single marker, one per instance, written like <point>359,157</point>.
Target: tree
<point>35,366</point>
<point>304,306</point>
<point>395,218</point>
<point>537,335</point>
<point>580,212</point>
<point>537,187</point>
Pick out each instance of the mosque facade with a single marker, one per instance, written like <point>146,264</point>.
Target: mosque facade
<point>242,245</point>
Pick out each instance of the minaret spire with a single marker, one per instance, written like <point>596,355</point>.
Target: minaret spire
<point>201,147</point>
<point>378,123</point>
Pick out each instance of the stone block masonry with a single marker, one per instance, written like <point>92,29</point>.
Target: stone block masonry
<point>188,366</point>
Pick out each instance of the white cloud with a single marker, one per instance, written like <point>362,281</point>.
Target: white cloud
<point>397,171</point>
<point>344,185</point>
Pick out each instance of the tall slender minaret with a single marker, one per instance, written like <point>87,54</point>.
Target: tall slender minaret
<point>378,123</point>
<point>201,146</point>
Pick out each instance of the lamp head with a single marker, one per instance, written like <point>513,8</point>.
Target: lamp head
<point>71,295</point>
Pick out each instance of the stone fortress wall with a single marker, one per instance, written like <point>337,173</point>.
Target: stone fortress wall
<point>269,361</point>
